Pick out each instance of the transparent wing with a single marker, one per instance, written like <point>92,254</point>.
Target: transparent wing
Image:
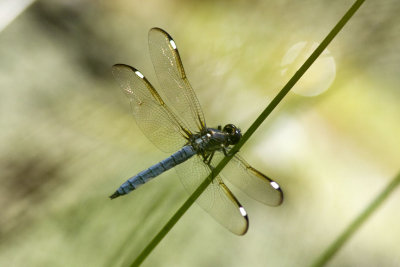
<point>252,182</point>
<point>151,114</point>
<point>175,86</point>
<point>217,199</point>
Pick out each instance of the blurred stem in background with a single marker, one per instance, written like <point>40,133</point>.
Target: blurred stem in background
<point>356,224</point>
<point>272,105</point>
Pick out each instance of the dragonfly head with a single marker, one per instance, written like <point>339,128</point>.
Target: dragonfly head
<point>233,132</point>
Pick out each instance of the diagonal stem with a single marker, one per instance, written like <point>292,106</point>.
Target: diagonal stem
<point>278,98</point>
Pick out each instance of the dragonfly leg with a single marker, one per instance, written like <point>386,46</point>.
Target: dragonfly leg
<point>211,156</point>
<point>205,156</point>
<point>227,152</point>
<point>207,159</point>
<point>211,168</point>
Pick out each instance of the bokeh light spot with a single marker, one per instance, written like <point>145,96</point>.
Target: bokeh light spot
<point>318,78</point>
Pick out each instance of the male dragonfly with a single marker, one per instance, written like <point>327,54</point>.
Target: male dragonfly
<point>180,127</point>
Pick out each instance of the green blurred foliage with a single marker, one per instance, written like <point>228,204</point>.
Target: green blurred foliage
<point>67,139</point>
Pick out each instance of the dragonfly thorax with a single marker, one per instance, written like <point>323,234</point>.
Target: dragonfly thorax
<point>216,139</point>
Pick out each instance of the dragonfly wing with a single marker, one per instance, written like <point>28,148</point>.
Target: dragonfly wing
<point>175,86</point>
<point>252,182</point>
<point>217,199</point>
<point>151,114</point>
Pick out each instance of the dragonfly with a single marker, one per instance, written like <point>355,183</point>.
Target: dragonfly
<point>177,126</point>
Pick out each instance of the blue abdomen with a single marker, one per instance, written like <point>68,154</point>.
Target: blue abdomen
<point>144,176</point>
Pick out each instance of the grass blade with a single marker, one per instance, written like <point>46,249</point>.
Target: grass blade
<point>278,98</point>
<point>356,224</point>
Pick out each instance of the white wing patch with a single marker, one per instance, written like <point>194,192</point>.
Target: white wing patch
<point>172,44</point>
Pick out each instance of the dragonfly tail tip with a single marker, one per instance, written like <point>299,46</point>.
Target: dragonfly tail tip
<point>115,195</point>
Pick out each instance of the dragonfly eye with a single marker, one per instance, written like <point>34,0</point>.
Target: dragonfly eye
<point>233,132</point>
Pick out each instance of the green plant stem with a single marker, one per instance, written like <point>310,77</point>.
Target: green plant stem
<point>356,224</point>
<point>186,205</point>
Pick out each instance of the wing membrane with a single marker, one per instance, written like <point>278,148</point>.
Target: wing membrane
<point>252,182</point>
<point>217,199</point>
<point>175,86</point>
<point>151,114</point>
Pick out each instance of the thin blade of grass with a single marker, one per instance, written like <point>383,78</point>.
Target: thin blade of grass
<point>186,205</point>
<point>357,223</point>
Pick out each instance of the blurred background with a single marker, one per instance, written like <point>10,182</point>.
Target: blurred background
<point>67,138</point>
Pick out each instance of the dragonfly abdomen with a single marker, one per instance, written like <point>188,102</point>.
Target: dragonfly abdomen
<point>144,176</point>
